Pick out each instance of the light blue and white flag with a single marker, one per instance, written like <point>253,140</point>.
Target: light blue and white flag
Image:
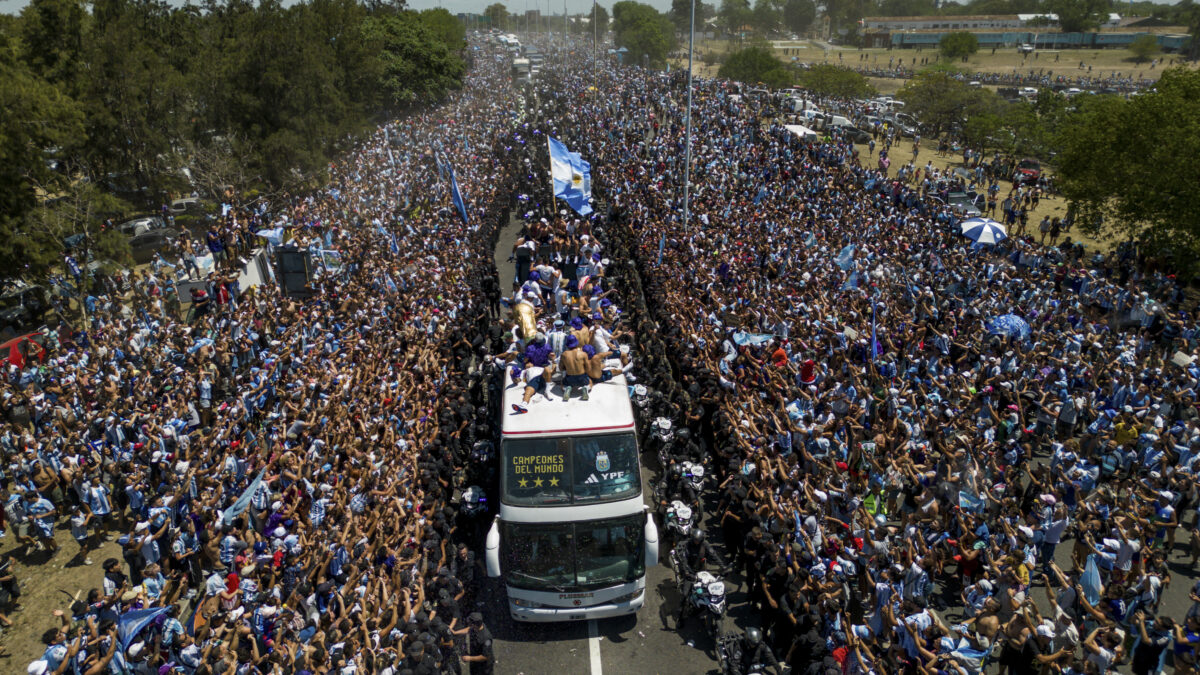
<point>572,177</point>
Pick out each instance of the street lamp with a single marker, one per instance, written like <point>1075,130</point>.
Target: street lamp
<point>687,143</point>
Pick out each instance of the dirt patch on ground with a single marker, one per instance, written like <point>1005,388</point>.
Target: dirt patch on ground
<point>47,583</point>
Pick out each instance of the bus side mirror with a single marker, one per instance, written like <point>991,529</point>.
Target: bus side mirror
<point>492,549</point>
<point>651,540</point>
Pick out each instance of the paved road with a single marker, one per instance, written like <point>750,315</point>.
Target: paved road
<point>645,643</point>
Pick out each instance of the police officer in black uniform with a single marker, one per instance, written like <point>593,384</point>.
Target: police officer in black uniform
<point>693,557</point>
<point>479,646</point>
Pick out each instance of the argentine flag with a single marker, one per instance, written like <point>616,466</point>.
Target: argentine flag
<point>572,177</point>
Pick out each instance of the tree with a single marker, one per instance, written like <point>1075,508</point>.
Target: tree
<point>1144,47</point>
<point>445,27</point>
<point>837,81</point>
<point>52,37</point>
<point>497,14</point>
<point>941,101</point>
<point>75,216</point>
<point>734,15</point>
<point>798,15</point>
<point>753,65</point>
<point>766,17</point>
<point>416,66</point>
<point>680,14</point>
<point>37,117</point>
<point>1128,167</point>
<point>959,44</point>
<point>644,31</point>
<point>1078,16</point>
<point>600,17</point>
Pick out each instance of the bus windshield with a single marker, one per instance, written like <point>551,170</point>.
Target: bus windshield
<point>567,557</point>
<point>578,469</point>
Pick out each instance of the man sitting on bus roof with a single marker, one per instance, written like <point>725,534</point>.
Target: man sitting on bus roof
<point>535,379</point>
<point>575,363</point>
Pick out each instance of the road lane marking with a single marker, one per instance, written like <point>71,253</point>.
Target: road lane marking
<point>594,647</point>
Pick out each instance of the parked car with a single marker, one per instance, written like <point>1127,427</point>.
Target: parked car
<point>962,203</point>
<point>1028,171</point>
<point>145,245</point>
<point>853,134</point>
<point>19,350</point>
<point>1025,48</point>
<point>140,225</point>
<point>967,203</point>
<point>23,307</point>
<point>187,205</point>
<point>1027,92</point>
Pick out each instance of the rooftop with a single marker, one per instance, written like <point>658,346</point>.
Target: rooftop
<point>607,410</point>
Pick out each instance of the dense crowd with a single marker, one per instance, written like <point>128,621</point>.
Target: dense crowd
<point>903,422</point>
<point>281,473</point>
<point>906,427</point>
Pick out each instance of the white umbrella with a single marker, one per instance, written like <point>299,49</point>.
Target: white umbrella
<point>983,230</point>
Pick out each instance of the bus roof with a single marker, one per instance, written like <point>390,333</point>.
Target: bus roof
<point>607,410</point>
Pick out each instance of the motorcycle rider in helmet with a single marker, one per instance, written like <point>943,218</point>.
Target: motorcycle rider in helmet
<point>756,652</point>
<point>691,557</point>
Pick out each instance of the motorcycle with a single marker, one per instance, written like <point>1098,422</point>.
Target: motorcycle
<point>641,401</point>
<point>661,436</point>
<point>693,473</point>
<point>680,521</point>
<point>707,596</point>
<point>730,655</point>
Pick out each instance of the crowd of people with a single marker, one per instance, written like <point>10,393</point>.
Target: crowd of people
<point>281,473</point>
<point>1113,82</point>
<point>907,427</point>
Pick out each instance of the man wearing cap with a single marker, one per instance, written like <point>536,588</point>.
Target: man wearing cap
<point>479,646</point>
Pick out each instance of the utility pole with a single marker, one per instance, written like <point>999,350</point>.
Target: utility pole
<point>687,153</point>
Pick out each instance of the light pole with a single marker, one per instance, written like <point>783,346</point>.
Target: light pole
<point>687,142</point>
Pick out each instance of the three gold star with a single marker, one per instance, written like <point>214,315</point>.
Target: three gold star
<point>537,483</point>
<point>523,483</point>
<point>553,482</point>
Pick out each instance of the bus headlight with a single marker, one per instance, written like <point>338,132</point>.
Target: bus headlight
<point>520,602</point>
<point>630,597</point>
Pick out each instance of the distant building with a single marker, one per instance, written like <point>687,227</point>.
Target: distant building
<point>979,22</point>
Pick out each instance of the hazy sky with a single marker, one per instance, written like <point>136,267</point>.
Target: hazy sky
<point>456,6</point>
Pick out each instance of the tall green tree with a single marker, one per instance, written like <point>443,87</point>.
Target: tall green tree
<point>1077,16</point>
<point>766,17</point>
<point>959,44</point>
<point>1144,47</point>
<point>1123,180</point>
<point>735,15</point>
<point>52,38</point>
<point>942,102</point>
<point>829,80</point>
<point>497,13</point>
<point>753,65</point>
<point>644,31</point>
<point>446,27</point>
<point>37,117</point>
<point>600,17</point>
<point>798,15</point>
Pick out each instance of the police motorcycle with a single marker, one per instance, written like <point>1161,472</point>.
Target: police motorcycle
<point>679,519</point>
<point>662,433</point>
<point>736,655</point>
<point>701,592</point>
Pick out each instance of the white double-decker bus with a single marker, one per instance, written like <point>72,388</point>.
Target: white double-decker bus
<point>574,537</point>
